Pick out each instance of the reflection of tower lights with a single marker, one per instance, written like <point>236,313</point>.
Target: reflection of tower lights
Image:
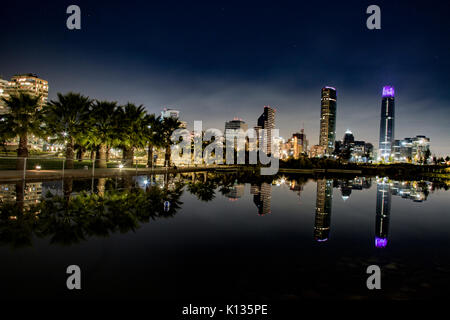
<point>323,210</point>
<point>383,211</point>
<point>262,195</point>
<point>380,242</point>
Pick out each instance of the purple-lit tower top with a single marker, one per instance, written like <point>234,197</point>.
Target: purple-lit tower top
<point>388,92</point>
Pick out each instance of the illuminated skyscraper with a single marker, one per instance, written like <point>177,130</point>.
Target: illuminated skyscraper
<point>328,120</point>
<point>387,124</point>
<point>267,122</point>
<point>383,211</point>
<point>323,210</point>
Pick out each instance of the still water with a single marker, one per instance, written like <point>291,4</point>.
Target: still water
<point>225,237</point>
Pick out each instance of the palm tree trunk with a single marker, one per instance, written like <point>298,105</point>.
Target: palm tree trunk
<point>167,156</point>
<point>79,154</point>
<point>20,194</point>
<point>150,155</point>
<point>101,186</point>
<point>108,152</point>
<point>127,156</point>
<point>67,189</point>
<point>101,156</point>
<point>69,153</point>
<point>22,151</point>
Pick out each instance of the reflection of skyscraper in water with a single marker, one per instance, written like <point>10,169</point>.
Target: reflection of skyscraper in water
<point>236,192</point>
<point>262,195</point>
<point>296,187</point>
<point>383,213</point>
<point>323,209</point>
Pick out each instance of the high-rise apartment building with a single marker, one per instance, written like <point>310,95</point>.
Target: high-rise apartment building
<point>30,83</point>
<point>267,122</point>
<point>412,150</point>
<point>387,124</point>
<point>4,85</point>
<point>328,120</point>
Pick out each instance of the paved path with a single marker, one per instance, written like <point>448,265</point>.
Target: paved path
<point>39,175</point>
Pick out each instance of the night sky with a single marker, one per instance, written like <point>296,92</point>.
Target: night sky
<point>222,59</point>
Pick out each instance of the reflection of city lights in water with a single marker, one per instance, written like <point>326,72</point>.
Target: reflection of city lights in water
<point>380,242</point>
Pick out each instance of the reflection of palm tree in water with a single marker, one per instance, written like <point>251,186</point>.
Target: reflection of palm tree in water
<point>68,220</point>
<point>101,186</point>
<point>204,191</point>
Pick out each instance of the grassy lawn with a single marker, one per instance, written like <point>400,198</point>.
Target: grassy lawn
<point>54,164</point>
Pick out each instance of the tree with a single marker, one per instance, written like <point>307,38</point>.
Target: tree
<point>101,133</point>
<point>168,126</point>
<point>131,130</point>
<point>24,118</point>
<point>153,128</point>
<point>426,156</point>
<point>64,120</point>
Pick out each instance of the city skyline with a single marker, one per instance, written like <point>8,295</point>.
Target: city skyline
<point>194,59</point>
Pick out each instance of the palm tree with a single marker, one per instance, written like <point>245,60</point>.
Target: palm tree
<point>131,130</point>
<point>65,120</point>
<point>24,118</point>
<point>101,133</point>
<point>153,134</point>
<point>168,126</point>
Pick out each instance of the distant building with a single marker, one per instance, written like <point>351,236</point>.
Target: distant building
<point>387,124</point>
<point>316,151</point>
<point>412,150</point>
<point>353,150</point>
<point>299,143</point>
<point>328,120</point>
<point>236,124</point>
<point>31,83</point>
<point>267,122</point>
<point>4,85</point>
<point>170,113</point>
<point>174,114</point>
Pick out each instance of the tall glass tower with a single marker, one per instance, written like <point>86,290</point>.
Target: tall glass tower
<point>387,124</point>
<point>328,120</point>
